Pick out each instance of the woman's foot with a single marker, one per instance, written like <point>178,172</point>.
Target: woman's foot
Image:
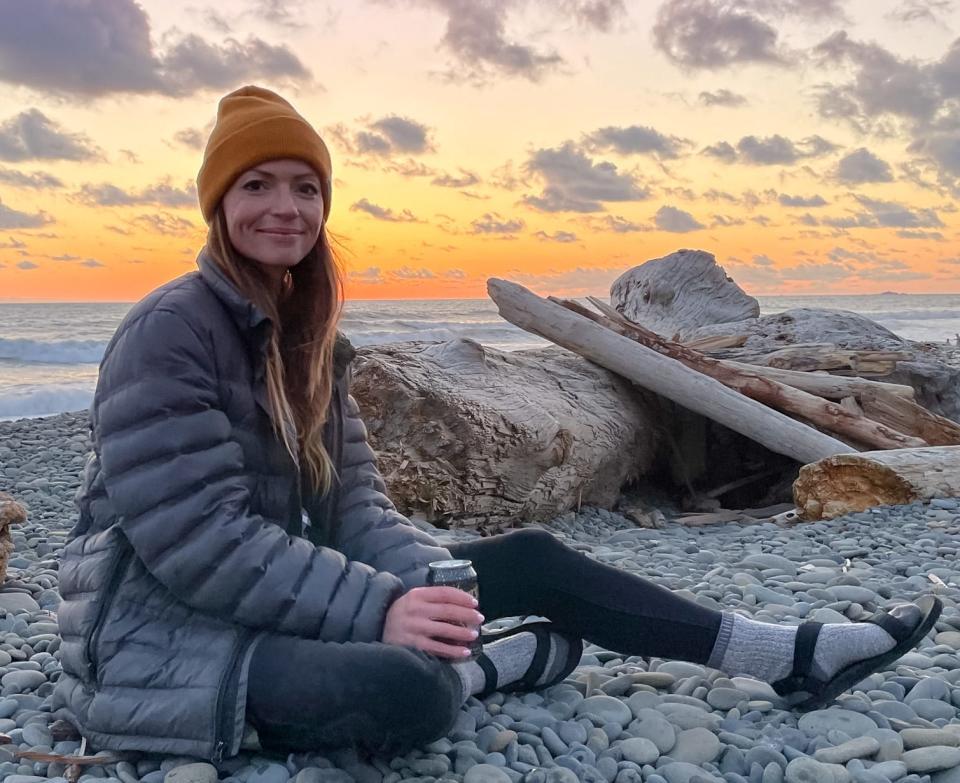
<point>821,660</point>
<point>525,657</point>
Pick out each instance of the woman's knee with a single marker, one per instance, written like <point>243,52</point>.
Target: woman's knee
<point>534,543</point>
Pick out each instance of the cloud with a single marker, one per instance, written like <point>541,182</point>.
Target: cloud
<point>91,263</point>
<point>929,236</point>
<point>493,223</point>
<point>162,194</point>
<point>722,97</point>
<point>11,218</point>
<point>165,224</point>
<point>383,213</point>
<point>192,138</point>
<point>676,221</point>
<point>700,34</point>
<point>890,214</point>
<point>477,38</point>
<point>406,273</point>
<point>370,276</point>
<point>802,201</point>
<point>33,180</point>
<point>12,244</point>
<point>27,265</point>
<point>465,180</point>
<point>580,281</point>
<point>616,224</point>
<point>725,221</point>
<point>31,135</point>
<point>635,140</point>
<point>862,166</point>
<point>779,150</point>
<point>102,47</point>
<point>389,135</point>
<point>722,151</point>
<point>932,11</point>
<point>574,183</point>
<point>557,236</point>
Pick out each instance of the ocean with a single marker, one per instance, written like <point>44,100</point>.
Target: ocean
<point>49,353</point>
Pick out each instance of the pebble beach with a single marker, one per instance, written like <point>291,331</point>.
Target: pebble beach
<point>616,719</point>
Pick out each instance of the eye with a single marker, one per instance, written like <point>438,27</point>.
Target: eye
<point>254,185</point>
<point>308,188</point>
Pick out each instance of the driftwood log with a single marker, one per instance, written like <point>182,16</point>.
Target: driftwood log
<point>675,294</point>
<point>11,513</point>
<point>661,374</point>
<point>471,436</point>
<point>824,413</point>
<point>847,483</point>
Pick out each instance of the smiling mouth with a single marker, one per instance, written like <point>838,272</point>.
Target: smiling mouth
<point>280,232</point>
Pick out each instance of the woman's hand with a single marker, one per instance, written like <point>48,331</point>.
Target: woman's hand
<point>428,617</point>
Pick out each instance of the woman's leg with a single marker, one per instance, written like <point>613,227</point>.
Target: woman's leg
<point>531,572</point>
<point>305,695</point>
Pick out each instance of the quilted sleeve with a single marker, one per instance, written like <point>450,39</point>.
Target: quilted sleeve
<point>174,474</point>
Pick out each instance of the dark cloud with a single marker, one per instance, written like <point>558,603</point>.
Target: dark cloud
<point>91,263</point>
<point>407,273</point>
<point>101,47</point>
<point>11,218</point>
<point>616,224</point>
<point>163,194</point>
<point>493,223</point>
<point>927,236</point>
<point>557,236</point>
<point>701,34</point>
<point>574,183</point>
<point>779,150</point>
<point>465,180</point>
<point>31,135</point>
<point>722,151</point>
<point>165,224</point>
<point>13,244</point>
<point>676,221</point>
<point>383,213</point>
<point>722,97</point>
<point>476,35</point>
<point>802,201</point>
<point>384,137</point>
<point>932,11</point>
<point>27,265</point>
<point>862,166</point>
<point>726,221</point>
<point>890,214</point>
<point>193,138</point>
<point>635,140</point>
<point>33,180</point>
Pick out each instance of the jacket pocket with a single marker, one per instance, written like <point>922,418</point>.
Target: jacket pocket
<point>116,571</point>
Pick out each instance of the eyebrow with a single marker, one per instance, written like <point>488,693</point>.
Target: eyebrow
<point>263,173</point>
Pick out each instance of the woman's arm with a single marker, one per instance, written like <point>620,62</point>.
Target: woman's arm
<point>175,476</point>
<point>369,527</point>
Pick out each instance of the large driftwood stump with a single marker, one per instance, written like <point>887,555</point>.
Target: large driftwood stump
<point>846,483</point>
<point>11,513</point>
<point>674,295</point>
<point>473,436</point>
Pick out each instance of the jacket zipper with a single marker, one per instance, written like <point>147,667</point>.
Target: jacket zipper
<point>229,682</point>
<point>119,567</point>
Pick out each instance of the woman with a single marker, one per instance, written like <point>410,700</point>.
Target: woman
<point>236,557</point>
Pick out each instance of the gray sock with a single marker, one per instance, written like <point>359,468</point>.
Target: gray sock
<point>765,650</point>
<point>512,657</point>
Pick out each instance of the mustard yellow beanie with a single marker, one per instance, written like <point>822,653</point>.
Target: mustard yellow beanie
<point>255,125</point>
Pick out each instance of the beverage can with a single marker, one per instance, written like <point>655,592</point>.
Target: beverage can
<point>459,574</point>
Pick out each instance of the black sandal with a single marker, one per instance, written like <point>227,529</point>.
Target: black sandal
<point>822,692</point>
<point>542,631</point>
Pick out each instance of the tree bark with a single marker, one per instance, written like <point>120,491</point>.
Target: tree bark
<point>847,483</point>
<point>662,375</point>
<point>470,436</point>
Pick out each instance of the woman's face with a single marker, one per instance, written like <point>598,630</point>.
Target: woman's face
<point>274,212</point>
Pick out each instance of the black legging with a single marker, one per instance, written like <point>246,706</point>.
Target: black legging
<point>307,695</point>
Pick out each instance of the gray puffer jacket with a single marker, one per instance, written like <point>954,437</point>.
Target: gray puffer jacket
<point>192,542</point>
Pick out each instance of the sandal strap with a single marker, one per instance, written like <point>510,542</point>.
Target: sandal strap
<point>896,628</point>
<point>490,675</point>
<point>800,677</point>
<point>539,663</point>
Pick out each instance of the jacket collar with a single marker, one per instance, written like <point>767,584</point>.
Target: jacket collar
<point>252,321</point>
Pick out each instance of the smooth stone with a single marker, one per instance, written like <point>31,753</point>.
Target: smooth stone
<point>685,716</point>
<point>501,740</point>
<point>892,770</point>
<point>696,746</point>
<point>924,738</point>
<point>609,709</point>
<point>683,772</point>
<point>725,698</point>
<point>22,681</point>
<point>931,709</point>
<point>821,721</point>
<point>193,773</point>
<point>949,638</point>
<point>18,602</point>
<point>653,726</point>
<point>931,759</point>
<point>486,773</point>
<point>929,688</point>
<point>854,749</point>
<point>639,750</point>
<point>682,669</point>
<point>807,770</point>
<point>265,773</point>
<point>860,595</point>
<point>34,734</point>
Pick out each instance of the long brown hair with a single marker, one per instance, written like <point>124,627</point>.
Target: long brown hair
<point>299,367</point>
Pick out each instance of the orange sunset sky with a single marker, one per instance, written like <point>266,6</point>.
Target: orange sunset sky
<point>812,145</point>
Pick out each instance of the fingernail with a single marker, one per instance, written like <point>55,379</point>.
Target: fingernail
<point>474,634</point>
<point>480,617</point>
<point>465,653</point>
<point>476,602</point>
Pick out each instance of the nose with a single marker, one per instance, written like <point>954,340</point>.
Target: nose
<point>283,203</point>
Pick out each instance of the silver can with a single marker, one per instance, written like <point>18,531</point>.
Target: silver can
<point>459,574</point>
